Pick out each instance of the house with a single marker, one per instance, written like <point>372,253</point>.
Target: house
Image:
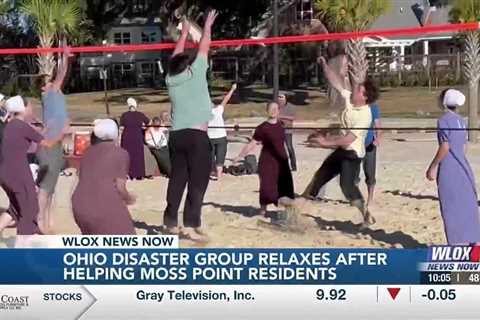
<point>439,49</point>
<point>126,69</point>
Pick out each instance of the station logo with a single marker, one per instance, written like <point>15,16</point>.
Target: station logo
<point>454,254</point>
<point>13,302</point>
<point>452,259</point>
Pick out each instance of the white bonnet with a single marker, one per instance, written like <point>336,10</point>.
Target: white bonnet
<point>453,98</point>
<point>15,104</point>
<point>105,129</point>
<point>132,103</point>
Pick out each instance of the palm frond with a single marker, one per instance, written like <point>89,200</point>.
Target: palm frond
<point>351,15</point>
<point>52,19</point>
<point>465,11</point>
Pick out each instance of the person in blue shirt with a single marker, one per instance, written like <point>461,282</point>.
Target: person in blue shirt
<point>372,141</point>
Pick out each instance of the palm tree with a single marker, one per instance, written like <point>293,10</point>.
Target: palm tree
<point>353,15</point>
<point>469,11</point>
<point>4,6</point>
<point>53,21</point>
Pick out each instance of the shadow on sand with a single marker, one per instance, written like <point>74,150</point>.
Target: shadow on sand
<point>246,211</point>
<point>411,195</point>
<point>349,227</point>
<point>151,229</point>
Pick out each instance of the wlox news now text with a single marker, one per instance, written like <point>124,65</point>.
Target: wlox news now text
<point>456,258</point>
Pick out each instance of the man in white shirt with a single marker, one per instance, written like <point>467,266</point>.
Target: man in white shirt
<point>349,146</point>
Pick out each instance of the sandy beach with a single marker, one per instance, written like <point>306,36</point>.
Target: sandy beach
<point>406,206</point>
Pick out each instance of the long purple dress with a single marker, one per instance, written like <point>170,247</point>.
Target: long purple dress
<point>456,184</point>
<point>273,168</point>
<point>132,141</point>
<point>97,205</point>
<point>15,175</point>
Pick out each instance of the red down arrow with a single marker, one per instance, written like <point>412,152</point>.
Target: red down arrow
<point>393,292</point>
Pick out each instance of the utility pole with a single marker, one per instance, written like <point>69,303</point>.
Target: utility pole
<point>105,78</point>
<point>276,58</point>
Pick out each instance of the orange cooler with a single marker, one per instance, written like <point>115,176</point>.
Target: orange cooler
<point>81,142</point>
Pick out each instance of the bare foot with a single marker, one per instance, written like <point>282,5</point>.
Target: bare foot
<point>286,202</point>
<point>172,230</point>
<point>200,231</point>
<point>368,219</point>
<point>194,234</point>
<point>42,228</point>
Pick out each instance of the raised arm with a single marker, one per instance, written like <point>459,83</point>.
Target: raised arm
<point>206,39</point>
<point>62,69</point>
<point>180,46</point>
<point>331,76</point>
<point>229,95</point>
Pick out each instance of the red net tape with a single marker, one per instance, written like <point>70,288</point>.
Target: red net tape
<point>444,28</point>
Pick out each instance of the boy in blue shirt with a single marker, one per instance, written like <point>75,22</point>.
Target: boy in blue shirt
<point>372,141</point>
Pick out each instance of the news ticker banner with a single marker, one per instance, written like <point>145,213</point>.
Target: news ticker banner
<point>239,302</point>
<point>120,277</point>
<point>157,260</point>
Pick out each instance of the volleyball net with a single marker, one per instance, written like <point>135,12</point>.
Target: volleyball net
<point>103,77</point>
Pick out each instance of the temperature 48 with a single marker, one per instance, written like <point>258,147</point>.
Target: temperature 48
<point>332,294</point>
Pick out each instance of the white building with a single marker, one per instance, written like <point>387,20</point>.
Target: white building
<point>126,68</point>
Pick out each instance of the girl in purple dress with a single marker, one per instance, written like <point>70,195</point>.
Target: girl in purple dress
<point>276,182</point>
<point>15,175</point>
<point>101,197</point>
<point>132,138</point>
<point>456,182</point>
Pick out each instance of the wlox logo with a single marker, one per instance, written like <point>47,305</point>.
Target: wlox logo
<point>9,302</point>
<point>455,254</point>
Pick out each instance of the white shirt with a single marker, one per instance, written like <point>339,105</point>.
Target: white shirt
<point>356,117</point>
<point>156,138</point>
<point>217,121</point>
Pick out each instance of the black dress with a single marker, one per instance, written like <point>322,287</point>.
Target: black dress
<point>273,168</point>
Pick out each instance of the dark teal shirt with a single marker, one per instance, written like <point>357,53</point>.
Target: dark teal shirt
<point>189,95</point>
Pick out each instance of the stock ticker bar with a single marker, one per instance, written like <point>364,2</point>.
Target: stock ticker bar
<point>149,277</point>
<point>239,302</point>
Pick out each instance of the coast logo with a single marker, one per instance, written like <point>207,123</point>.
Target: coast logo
<point>9,302</point>
<point>455,254</point>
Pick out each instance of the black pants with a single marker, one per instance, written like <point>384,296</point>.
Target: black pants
<point>291,151</point>
<point>370,165</point>
<point>190,153</point>
<point>162,156</point>
<point>343,162</point>
<point>219,151</point>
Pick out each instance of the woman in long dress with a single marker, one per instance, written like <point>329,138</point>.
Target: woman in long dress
<point>456,183</point>
<point>15,174</point>
<point>276,180</point>
<point>132,138</point>
<point>100,199</point>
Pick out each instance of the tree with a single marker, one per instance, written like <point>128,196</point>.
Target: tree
<point>469,11</point>
<point>4,6</point>
<point>100,15</point>
<point>53,21</point>
<point>353,15</point>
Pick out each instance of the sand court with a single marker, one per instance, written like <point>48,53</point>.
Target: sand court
<point>406,206</point>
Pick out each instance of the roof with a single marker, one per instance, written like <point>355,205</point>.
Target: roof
<point>411,14</point>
